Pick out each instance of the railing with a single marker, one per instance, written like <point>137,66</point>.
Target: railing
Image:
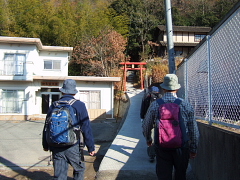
<point>210,76</point>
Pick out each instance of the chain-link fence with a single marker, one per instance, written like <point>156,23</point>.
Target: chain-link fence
<point>210,76</point>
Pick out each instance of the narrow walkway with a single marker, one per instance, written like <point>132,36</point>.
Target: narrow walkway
<point>127,157</point>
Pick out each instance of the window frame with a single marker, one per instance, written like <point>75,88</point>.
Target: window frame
<point>89,102</point>
<point>15,102</point>
<point>52,65</point>
<point>16,63</point>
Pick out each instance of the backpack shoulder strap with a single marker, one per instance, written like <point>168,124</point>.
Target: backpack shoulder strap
<point>79,132</point>
<point>160,101</point>
<point>178,101</point>
<point>72,101</point>
<point>55,103</point>
<point>182,125</point>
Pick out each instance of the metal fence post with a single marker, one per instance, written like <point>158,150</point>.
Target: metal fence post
<point>209,81</point>
<point>186,79</point>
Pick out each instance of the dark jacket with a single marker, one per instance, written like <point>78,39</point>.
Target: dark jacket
<point>84,122</point>
<point>146,101</point>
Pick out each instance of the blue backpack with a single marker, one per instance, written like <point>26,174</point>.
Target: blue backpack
<point>61,126</point>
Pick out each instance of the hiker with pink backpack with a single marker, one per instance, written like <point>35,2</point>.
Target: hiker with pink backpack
<point>176,133</point>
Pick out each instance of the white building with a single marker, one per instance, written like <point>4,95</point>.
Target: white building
<point>30,77</point>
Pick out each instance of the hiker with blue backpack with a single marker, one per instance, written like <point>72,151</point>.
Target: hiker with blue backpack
<point>66,131</point>
<point>176,132</point>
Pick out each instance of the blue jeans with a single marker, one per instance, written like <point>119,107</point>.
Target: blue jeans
<point>62,157</point>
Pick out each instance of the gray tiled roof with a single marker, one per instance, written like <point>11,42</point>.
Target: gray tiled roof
<point>186,28</point>
<point>191,44</point>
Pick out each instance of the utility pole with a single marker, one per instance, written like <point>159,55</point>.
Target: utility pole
<point>170,45</point>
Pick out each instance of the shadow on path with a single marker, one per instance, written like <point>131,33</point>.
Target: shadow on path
<point>21,172</point>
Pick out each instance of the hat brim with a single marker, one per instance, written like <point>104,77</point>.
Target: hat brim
<point>68,92</point>
<point>178,86</point>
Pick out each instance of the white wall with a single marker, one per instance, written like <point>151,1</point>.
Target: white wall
<point>29,50</point>
<point>181,36</point>
<point>46,55</point>
<point>34,61</point>
<point>106,92</point>
<point>185,37</point>
<point>191,37</point>
<point>32,103</point>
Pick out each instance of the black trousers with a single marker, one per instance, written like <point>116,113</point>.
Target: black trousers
<point>169,159</point>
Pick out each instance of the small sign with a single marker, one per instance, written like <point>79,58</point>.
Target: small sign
<point>49,83</point>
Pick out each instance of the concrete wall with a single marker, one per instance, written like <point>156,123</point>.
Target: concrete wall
<point>121,107</point>
<point>218,155</point>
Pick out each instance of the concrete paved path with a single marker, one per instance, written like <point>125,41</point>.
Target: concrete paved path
<point>127,159</point>
<point>21,144</point>
<point>127,156</point>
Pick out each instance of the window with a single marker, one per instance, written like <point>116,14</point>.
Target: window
<point>11,101</point>
<point>52,64</point>
<point>14,64</point>
<point>91,99</point>
<point>48,97</point>
<point>199,37</point>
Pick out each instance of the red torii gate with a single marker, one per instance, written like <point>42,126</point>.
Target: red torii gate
<point>133,68</point>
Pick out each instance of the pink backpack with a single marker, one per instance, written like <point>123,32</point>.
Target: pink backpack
<point>169,128</point>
